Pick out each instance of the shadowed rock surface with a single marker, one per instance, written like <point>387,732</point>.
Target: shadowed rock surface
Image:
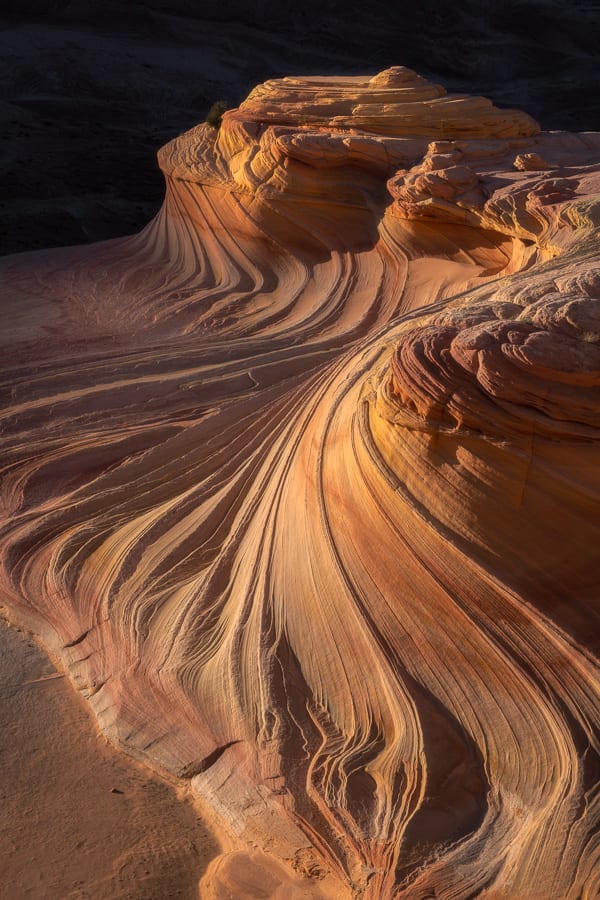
<point>301,485</point>
<point>91,91</point>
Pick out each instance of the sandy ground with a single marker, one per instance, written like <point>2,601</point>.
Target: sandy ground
<point>79,820</point>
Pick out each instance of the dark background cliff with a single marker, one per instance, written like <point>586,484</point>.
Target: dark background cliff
<point>90,91</point>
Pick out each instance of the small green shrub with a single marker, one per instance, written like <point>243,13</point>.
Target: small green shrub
<point>215,114</point>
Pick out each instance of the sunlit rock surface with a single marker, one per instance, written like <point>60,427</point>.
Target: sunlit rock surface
<point>302,485</point>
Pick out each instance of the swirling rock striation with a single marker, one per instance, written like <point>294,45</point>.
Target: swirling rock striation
<point>301,484</point>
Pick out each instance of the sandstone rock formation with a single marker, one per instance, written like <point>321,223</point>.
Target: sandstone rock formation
<point>301,484</point>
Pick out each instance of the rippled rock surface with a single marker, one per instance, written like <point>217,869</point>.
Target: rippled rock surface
<point>301,483</point>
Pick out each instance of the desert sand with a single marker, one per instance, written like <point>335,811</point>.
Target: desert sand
<point>300,486</point>
<point>80,820</point>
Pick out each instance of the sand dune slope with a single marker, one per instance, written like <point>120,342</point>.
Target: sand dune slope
<point>301,483</point>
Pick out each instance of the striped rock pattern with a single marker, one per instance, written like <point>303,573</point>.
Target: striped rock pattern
<point>301,483</point>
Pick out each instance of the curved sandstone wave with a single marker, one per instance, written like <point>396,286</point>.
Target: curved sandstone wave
<point>301,484</point>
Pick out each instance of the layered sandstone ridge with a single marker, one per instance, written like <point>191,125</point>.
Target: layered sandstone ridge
<point>301,484</point>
